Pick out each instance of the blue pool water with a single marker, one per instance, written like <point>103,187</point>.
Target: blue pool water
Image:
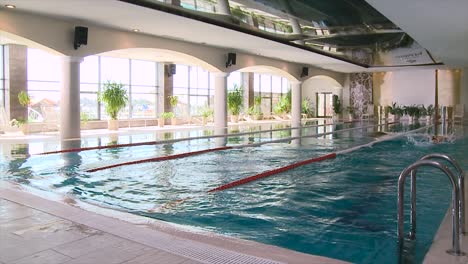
<point>343,208</point>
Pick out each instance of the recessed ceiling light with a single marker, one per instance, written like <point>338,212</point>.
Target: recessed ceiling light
<point>10,6</point>
<point>136,30</point>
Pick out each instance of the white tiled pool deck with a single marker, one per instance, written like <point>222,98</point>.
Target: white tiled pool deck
<point>37,230</point>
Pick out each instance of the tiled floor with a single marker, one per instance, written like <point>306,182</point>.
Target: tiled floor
<point>59,230</point>
<point>29,236</point>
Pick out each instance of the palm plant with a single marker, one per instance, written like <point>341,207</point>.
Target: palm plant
<point>284,104</point>
<point>235,99</point>
<point>24,99</point>
<point>114,96</point>
<point>336,104</point>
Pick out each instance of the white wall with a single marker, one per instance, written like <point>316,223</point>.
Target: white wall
<point>412,87</point>
<point>418,87</point>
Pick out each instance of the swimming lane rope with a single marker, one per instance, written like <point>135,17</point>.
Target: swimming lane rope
<point>157,142</point>
<point>187,154</point>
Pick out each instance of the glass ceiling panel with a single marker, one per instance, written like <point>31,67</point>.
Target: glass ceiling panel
<point>349,30</point>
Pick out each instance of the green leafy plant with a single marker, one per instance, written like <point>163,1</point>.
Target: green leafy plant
<point>235,99</point>
<point>84,117</point>
<point>207,112</point>
<point>173,101</point>
<point>114,96</point>
<point>413,111</point>
<point>396,110</point>
<point>305,107</point>
<point>167,115</point>
<point>23,98</point>
<point>430,110</point>
<point>336,104</point>
<point>257,100</point>
<point>284,104</point>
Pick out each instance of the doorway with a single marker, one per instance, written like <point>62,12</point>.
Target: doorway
<point>324,104</point>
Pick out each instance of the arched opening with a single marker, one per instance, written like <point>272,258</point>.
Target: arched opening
<point>319,91</point>
<point>266,92</point>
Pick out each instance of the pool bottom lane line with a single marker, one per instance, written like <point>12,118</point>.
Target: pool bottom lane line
<point>170,157</point>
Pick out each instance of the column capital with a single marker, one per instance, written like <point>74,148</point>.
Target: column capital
<point>295,82</point>
<point>72,59</point>
<point>220,74</point>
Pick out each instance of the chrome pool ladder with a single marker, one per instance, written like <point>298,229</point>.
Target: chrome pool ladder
<point>461,184</point>
<point>457,210</point>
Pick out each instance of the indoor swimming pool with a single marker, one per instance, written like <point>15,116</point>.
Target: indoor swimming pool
<point>343,208</point>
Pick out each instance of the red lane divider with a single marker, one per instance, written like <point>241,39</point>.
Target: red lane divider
<point>271,172</point>
<point>170,157</point>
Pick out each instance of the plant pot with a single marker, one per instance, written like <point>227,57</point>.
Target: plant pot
<point>234,118</point>
<point>204,120</point>
<point>258,117</point>
<point>174,121</point>
<point>113,124</point>
<point>428,119</point>
<point>335,119</point>
<point>350,117</point>
<point>24,128</point>
<point>161,122</point>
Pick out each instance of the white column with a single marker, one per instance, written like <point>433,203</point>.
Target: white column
<point>296,100</point>
<point>464,89</point>
<point>223,7</point>
<point>220,106</point>
<point>70,98</point>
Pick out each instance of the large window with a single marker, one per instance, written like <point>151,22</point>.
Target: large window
<point>270,88</point>
<point>194,88</point>
<point>139,78</point>
<point>44,72</point>
<point>2,78</point>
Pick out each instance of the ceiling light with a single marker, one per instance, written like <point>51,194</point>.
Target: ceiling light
<point>136,30</point>
<point>10,6</point>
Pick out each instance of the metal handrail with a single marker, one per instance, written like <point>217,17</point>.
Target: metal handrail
<point>461,183</point>
<point>455,202</point>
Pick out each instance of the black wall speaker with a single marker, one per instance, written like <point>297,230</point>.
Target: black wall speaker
<point>305,72</point>
<point>81,37</point>
<point>231,59</point>
<point>171,69</point>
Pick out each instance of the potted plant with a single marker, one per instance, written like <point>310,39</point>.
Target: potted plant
<point>413,111</point>
<point>206,113</point>
<point>429,113</point>
<point>163,117</point>
<point>114,96</point>
<point>336,107</point>
<point>306,110</point>
<point>284,104</point>
<point>396,111</point>
<point>173,101</point>
<point>256,112</point>
<point>350,111</point>
<point>24,100</point>
<point>84,118</point>
<point>235,99</point>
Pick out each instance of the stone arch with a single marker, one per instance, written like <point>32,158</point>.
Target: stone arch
<point>320,84</point>
<point>160,55</point>
<point>16,39</point>
<point>269,70</point>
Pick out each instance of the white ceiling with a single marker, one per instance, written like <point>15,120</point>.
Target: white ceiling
<point>441,39</point>
<point>440,26</point>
